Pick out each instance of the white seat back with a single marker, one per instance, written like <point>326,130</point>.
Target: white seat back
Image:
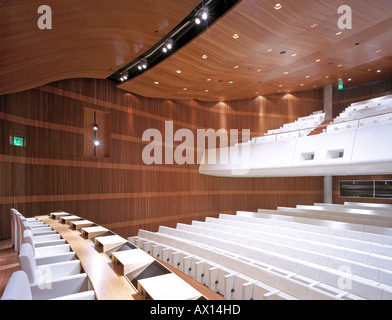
<point>27,262</point>
<point>28,238</point>
<point>18,287</point>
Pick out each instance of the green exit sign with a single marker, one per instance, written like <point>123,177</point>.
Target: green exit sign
<point>340,84</point>
<point>17,141</point>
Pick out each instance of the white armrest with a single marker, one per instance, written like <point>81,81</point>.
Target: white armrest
<point>54,271</point>
<point>86,295</point>
<point>51,250</point>
<point>50,243</point>
<point>46,238</point>
<point>41,229</point>
<point>62,287</point>
<point>62,257</point>
<point>43,233</point>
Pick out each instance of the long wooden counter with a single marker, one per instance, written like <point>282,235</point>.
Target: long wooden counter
<point>108,285</point>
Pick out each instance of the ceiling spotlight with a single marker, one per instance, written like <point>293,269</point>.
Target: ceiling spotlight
<point>143,64</point>
<point>124,75</point>
<point>379,71</point>
<point>201,15</point>
<point>167,45</point>
<point>95,127</point>
<point>278,6</point>
<point>96,142</point>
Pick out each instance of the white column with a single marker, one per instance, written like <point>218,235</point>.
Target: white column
<point>328,104</point>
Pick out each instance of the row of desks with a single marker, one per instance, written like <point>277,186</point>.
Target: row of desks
<point>117,269</point>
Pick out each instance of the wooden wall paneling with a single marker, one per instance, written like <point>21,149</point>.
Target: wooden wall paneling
<point>120,191</point>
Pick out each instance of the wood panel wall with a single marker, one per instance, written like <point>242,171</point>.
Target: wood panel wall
<point>120,191</point>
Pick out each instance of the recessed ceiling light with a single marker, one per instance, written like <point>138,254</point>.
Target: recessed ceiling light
<point>231,81</point>
<point>258,70</point>
<point>339,33</point>
<point>314,86</point>
<point>185,89</point>
<point>278,6</point>
<point>281,85</point>
<point>206,90</point>
<point>294,54</point>
<point>314,25</point>
<point>286,72</point>
<point>269,50</point>
<point>326,77</point>
<point>236,35</point>
<point>378,51</point>
<point>301,84</point>
<point>178,71</point>
<point>236,67</point>
<point>379,71</point>
<point>256,92</point>
<point>208,79</point>
<point>156,82</point>
<point>204,56</point>
<point>307,77</point>
<point>349,79</point>
<point>318,60</point>
<point>369,70</point>
<point>340,65</point>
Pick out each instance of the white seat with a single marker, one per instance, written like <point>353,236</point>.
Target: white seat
<point>243,287</point>
<point>225,282</point>
<point>75,288</point>
<point>42,241</point>
<point>44,275</point>
<point>49,254</point>
<point>262,291</point>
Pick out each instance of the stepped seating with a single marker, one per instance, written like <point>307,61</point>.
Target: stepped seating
<point>299,128</point>
<point>268,255</point>
<point>50,269</point>
<point>364,113</point>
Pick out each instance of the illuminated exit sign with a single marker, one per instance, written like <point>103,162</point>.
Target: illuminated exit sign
<point>340,84</point>
<point>17,141</point>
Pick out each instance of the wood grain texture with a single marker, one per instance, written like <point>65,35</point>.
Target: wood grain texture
<point>93,39</point>
<point>121,192</point>
<point>276,51</point>
<point>89,39</point>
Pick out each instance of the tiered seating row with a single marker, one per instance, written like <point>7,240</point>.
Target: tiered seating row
<point>369,112</point>
<point>293,259</point>
<point>50,270</point>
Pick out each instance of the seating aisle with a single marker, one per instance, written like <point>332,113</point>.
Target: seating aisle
<point>306,253</point>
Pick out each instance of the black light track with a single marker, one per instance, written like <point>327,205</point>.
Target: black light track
<point>181,35</point>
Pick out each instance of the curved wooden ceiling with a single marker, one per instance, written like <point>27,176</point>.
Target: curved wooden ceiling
<point>88,39</point>
<point>93,39</point>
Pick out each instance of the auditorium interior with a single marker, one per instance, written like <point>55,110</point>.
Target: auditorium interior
<point>183,150</point>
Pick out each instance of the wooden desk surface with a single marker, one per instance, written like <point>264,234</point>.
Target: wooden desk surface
<point>155,287</point>
<point>108,285</point>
